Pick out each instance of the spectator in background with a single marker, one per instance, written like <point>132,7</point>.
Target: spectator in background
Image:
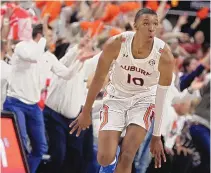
<point>200,129</point>
<point>5,28</point>
<point>5,72</point>
<point>5,68</point>
<point>176,48</point>
<point>63,104</point>
<point>193,70</point>
<point>29,66</point>
<point>23,94</point>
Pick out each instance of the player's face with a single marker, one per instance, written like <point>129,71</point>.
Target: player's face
<point>147,25</point>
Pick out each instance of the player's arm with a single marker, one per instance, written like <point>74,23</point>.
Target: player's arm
<point>90,78</point>
<point>165,67</point>
<point>110,52</point>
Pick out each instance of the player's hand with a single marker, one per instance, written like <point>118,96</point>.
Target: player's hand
<point>157,151</point>
<point>81,123</point>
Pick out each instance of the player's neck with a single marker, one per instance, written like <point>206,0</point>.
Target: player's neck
<point>141,43</point>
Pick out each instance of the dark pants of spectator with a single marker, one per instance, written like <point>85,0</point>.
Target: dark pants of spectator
<point>181,163</point>
<point>69,154</point>
<point>173,164</point>
<point>201,139</point>
<point>31,124</point>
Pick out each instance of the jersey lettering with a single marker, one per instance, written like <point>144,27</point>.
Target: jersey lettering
<point>135,80</point>
<point>133,68</point>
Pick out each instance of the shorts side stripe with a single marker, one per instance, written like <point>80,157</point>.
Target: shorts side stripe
<point>105,116</point>
<point>147,114</point>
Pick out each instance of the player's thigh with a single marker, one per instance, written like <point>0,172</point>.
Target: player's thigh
<point>112,124</point>
<point>135,135</point>
<point>139,120</point>
<point>141,115</point>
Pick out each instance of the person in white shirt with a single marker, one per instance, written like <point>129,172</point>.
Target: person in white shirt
<point>5,73</point>
<point>29,65</point>
<point>63,105</point>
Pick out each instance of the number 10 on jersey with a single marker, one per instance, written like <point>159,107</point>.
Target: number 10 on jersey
<point>135,80</point>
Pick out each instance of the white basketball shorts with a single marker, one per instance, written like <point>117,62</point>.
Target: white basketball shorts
<point>117,114</point>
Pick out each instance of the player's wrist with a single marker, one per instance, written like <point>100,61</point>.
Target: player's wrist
<point>86,109</point>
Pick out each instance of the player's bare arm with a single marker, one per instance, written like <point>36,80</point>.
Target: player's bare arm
<point>166,66</point>
<point>110,53</point>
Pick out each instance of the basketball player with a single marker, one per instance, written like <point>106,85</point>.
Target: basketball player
<point>141,67</point>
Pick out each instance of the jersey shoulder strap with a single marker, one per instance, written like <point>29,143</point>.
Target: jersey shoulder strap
<point>126,44</point>
<point>159,45</point>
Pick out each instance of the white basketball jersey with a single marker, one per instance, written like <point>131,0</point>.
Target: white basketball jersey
<point>130,76</point>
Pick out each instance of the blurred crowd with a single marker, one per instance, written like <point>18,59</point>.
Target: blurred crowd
<point>71,35</point>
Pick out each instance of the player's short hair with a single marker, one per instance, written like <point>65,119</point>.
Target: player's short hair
<point>144,11</point>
